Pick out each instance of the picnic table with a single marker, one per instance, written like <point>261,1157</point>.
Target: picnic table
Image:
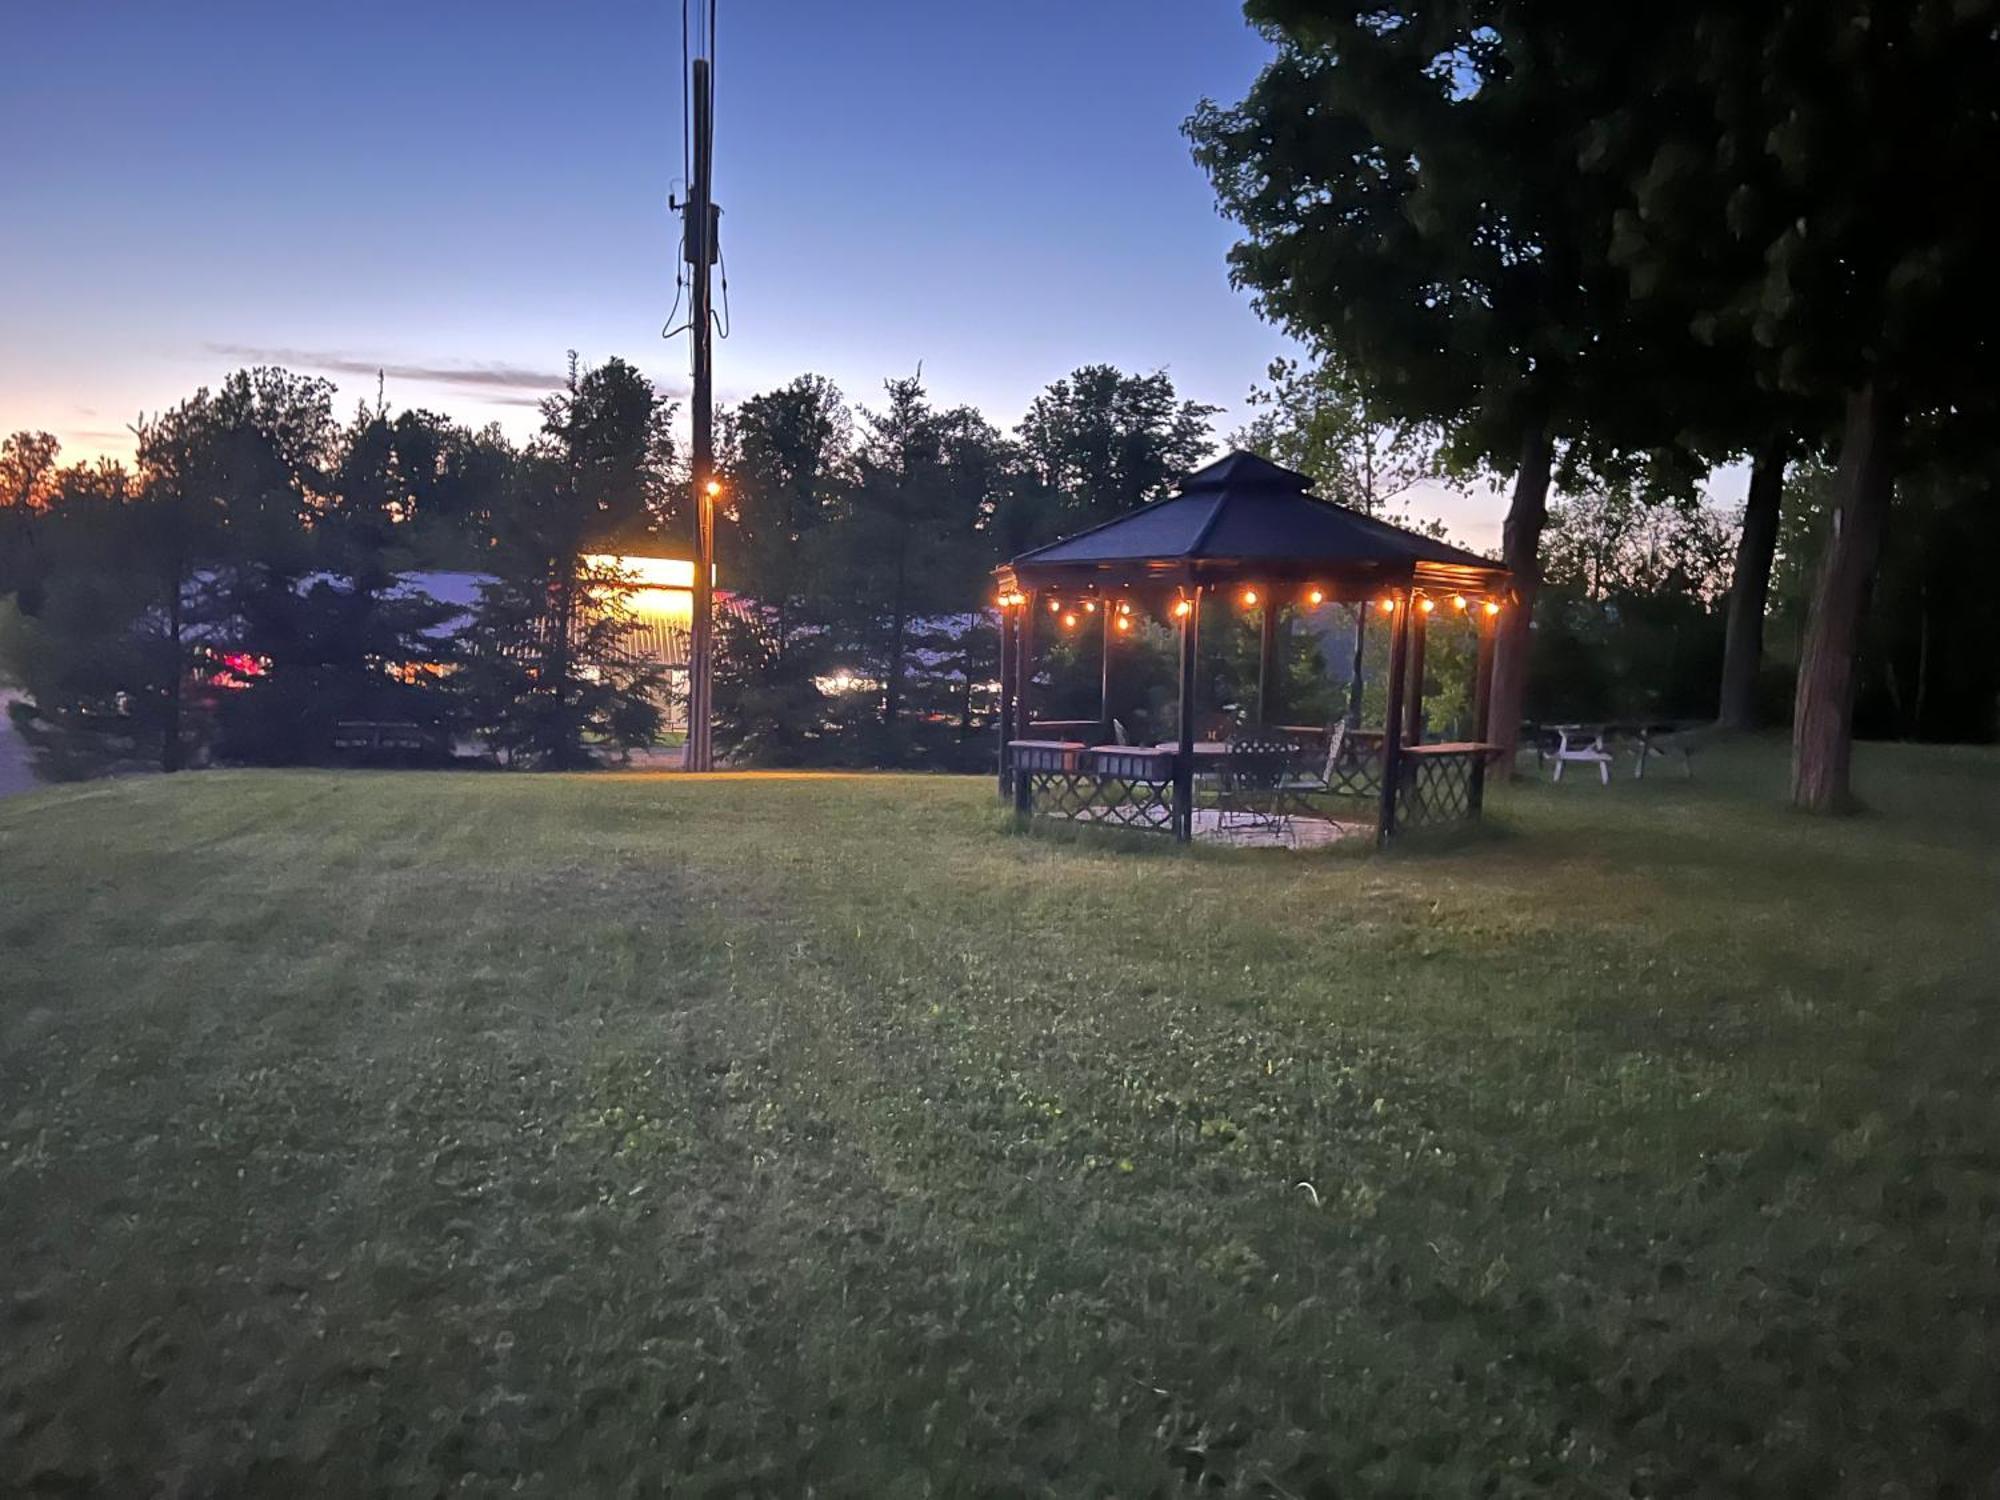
<point>1598,744</point>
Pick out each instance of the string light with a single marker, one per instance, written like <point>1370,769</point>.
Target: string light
<point>1124,609</point>
<point>1427,604</point>
<point>1315,598</point>
<point>1069,621</point>
<point>714,488</point>
<point>1055,606</point>
<point>1388,606</point>
<point>1249,598</point>
<point>1458,602</point>
<point>1492,608</point>
<point>1182,609</point>
<point>1090,606</point>
<point>1124,623</point>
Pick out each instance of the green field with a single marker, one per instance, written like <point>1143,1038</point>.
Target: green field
<point>820,1135</point>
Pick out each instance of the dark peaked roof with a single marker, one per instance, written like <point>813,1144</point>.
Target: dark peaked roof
<point>1242,515</point>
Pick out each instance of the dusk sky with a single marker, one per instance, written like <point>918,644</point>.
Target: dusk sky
<point>457,193</point>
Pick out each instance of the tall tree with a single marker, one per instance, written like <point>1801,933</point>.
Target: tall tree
<point>786,458</point>
<point>1406,176</point>
<point>553,670</point>
<point>909,542</point>
<point>1819,163</point>
<point>1750,586</point>
<point>27,483</point>
<point>1099,442</point>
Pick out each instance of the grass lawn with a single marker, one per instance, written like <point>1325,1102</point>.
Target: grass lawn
<point>644,1134</point>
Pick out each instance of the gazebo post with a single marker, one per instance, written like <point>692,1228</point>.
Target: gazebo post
<point>1024,665</point>
<point>1267,662</point>
<point>1104,735</point>
<point>1392,727</point>
<point>1184,760</point>
<point>1418,625</point>
<point>1482,702</point>
<point>1007,655</point>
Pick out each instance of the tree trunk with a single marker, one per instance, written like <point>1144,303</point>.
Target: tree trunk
<point>1750,589</point>
<point>1521,550</point>
<point>1823,712</point>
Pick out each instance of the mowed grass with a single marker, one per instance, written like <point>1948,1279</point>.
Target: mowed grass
<point>820,1135</point>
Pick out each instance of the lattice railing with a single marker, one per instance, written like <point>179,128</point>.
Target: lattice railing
<point>1107,800</point>
<point>1112,788</point>
<point>1437,789</point>
<point>1358,772</point>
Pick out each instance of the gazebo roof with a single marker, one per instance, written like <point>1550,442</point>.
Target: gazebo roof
<point>1246,517</point>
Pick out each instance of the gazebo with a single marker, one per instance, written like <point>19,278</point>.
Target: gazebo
<point>1246,527</point>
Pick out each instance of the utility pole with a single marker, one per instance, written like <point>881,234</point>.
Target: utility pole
<point>700,250</point>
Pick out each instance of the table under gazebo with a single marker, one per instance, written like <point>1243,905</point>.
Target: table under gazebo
<point>1245,529</point>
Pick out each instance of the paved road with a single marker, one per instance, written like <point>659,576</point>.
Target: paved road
<point>14,773</point>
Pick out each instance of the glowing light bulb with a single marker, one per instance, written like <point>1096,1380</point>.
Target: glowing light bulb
<point>1055,606</point>
<point>1124,624</point>
<point>1458,601</point>
<point>1182,609</point>
<point>1069,621</point>
<point>1492,608</point>
<point>1387,606</point>
<point>1090,606</point>
<point>714,488</point>
<point>1124,609</point>
<point>1427,604</point>
<point>1249,598</point>
<point>1315,597</point>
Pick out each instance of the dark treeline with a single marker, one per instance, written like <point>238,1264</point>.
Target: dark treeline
<point>241,590</point>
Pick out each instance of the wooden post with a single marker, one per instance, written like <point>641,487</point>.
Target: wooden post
<point>1024,666</point>
<point>1392,721</point>
<point>1006,715</point>
<point>1184,761</point>
<point>701,254</point>
<point>1267,663</point>
<point>1482,700</point>
<point>1104,735</point>
<point>1418,627</point>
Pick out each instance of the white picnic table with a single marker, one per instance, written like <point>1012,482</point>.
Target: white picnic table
<point>1587,744</point>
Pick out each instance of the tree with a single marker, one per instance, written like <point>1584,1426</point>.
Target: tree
<point>786,455</point>
<point>1407,178</point>
<point>552,670</point>
<point>348,640</point>
<point>27,482</point>
<point>452,481</point>
<point>1100,442</point>
<point>1817,165</point>
<point>92,656</point>
<point>1750,587</point>
<point>909,542</point>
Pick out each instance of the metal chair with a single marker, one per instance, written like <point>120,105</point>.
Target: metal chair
<point>1251,790</point>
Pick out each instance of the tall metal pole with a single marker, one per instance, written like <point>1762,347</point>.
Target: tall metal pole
<point>701,252</point>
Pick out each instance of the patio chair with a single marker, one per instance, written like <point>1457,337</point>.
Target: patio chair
<point>1251,790</point>
<point>1312,773</point>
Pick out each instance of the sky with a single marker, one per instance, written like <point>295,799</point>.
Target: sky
<point>457,192</point>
